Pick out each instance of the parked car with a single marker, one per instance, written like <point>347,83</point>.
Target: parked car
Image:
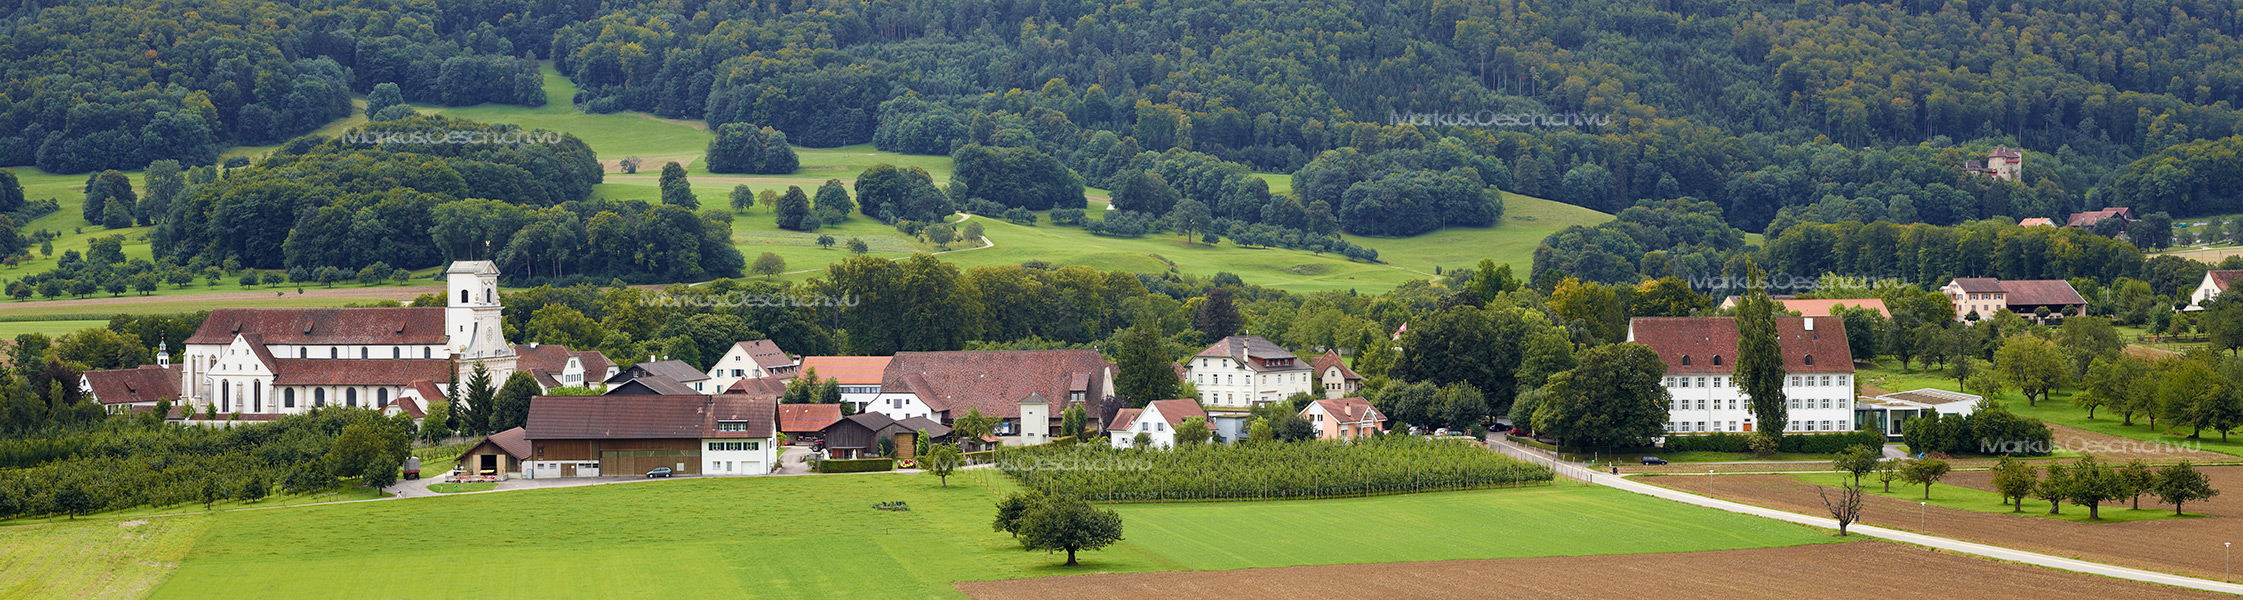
<point>659,472</point>
<point>1653,460</point>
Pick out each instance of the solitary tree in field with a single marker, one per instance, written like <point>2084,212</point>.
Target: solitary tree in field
<point>2093,483</point>
<point>825,241</point>
<point>675,189</point>
<point>1846,506</point>
<point>770,264</point>
<point>2014,481</point>
<point>1924,472</point>
<point>1070,524</point>
<point>857,246</point>
<point>942,460</point>
<point>1855,461</point>
<point>742,198</point>
<point>2183,483</point>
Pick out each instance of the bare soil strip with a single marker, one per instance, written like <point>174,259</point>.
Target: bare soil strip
<point>2179,546</point>
<point>1867,570</point>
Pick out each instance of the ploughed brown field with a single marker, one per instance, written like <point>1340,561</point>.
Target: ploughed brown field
<point>2181,546</point>
<point>2103,445</point>
<point>1871,571</point>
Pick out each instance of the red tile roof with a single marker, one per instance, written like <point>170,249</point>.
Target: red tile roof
<point>2221,279</point>
<point>2037,222</point>
<point>541,357</point>
<point>512,441</point>
<point>2041,292</point>
<point>147,383</point>
<point>676,370</point>
<point>1978,285</point>
<point>1331,358</point>
<point>1821,308</point>
<point>648,417</point>
<point>767,386</point>
<point>851,370</point>
<point>1175,411</point>
<point>1124,418</point>
<point>766,354</point>
<point>1701,341</point>
<point>651,385</point>
<point>2090,218</point>
<point>1349,410</point>
<point>417,326</point>
<point>807,418</point>
<point>429,390</point>
<point>993,381</point>
<point>393,372</point>
<point>1251,350</point>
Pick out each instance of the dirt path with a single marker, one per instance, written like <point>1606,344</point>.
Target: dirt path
<point>1866,570</point>
<point>386,293</point>
<point>2188,546</point>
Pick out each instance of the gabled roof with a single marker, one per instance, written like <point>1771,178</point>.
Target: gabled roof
<point>2005,152</point>
<point>2041,292</point>
<point>2221,279</point>
<point>993,381</point>
<point>765,354</point>
<point>595,363</point>
<point>850,370</point>
<point>473,267</point>
<point>807,418</point>
<point>647,417</point>
<point>407,406</point>
<point>2090,218</point>
<point>1691,344</point>
<point>1175,411</point>
<point>2037,222</point>
<point>400,326</point>
<point>389,372</point>
<point>1348,410</point>
<point>429,391</point>
<point>676,370</point>
<point>511,441</point>
<point>767,386</point>
<point>1978,285</point>
<point>651,385</point>
<point>1123,419</point>
<point>1821,307</point>
<point>1250,350</point>
<point>146,383</point>
<point>541,357</point>
<point>1331,358</point>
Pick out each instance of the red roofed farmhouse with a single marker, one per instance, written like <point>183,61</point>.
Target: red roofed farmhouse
<point>1985,296</point>
<point>2214,284</point>
<point>627,436</point>
<point>120,390</point>
<point>1158,420</point>
<point>946,385</point>
<point>1701,355</point>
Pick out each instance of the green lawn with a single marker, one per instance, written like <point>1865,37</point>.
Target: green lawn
<point>454,488</point>
<point>1974,499</point>
<point>818,537</point>
<point>2058,409</point>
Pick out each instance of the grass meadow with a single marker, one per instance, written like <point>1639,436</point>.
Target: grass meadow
<point>803,537</point>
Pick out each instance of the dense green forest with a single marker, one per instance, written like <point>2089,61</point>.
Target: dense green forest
<point>1872,106</point>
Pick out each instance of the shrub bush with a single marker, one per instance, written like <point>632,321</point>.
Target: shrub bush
<point>1803,443</point>
<point>860,465</point>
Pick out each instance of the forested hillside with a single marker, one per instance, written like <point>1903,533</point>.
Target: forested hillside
<point>1858,111</point>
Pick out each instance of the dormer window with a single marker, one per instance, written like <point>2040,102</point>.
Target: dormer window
<point>1810,360</point>
<point>1716,360</point>
<point>1685,360</point>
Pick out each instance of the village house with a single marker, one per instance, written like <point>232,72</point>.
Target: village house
<point>859,377</point>
<point>1333,375</point>
<point>558,366</point>
<point>137,389</point>
<point>1981,297</point>
<point>673,371</point>
<point>2004,163</point>
<point>1344,418</point>
<point>266,362</point>
<point>749,360</point>
<point>627,436</point>
<point>943,386</point>
<point>860,435</point>
<point>2214,283</point>
<point>1158,420</point>
<point>1701,357</point>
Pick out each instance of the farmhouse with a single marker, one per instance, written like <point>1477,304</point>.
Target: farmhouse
<point>2090,218</point>
<point>943,386</point>
<point>2214,284</point>
<point>626,436</point>
<point>1158,420</point>
<point>748,360</point>
<point>859,435</point>
<point>2002,163</point>
<point>1344,418</point>
<point>558,366</point>
<point>125,390</point>
<point>1701,355</point>
<point>677,371</point>
<point>287,361</point>
<point>1332,373</point>
<point>1984,296</point>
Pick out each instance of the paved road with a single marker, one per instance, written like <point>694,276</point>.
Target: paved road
<point>1997,552</point>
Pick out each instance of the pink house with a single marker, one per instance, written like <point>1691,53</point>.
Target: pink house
<point>1343,418</point>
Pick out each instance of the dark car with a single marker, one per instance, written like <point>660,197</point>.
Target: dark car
<point>659,472</point>
<point>1653,460</point>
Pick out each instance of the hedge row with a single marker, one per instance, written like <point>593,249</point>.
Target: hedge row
<point>860,465</point>
<point>1808,443</point>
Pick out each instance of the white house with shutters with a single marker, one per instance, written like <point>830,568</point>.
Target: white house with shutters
<point>1701,358</point>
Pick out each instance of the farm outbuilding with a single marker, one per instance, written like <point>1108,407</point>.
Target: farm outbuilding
<point>627,436</point>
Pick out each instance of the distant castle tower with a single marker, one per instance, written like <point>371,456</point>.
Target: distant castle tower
<point>2003,163</point>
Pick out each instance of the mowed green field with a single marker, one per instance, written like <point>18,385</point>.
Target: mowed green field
<point>810,537</point>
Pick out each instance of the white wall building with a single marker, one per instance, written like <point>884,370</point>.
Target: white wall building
<point>750,360</point>
<point>1240,372</point>
<point>1701,357</point>
<point>1158,420</point>
<point>2214,284</point>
